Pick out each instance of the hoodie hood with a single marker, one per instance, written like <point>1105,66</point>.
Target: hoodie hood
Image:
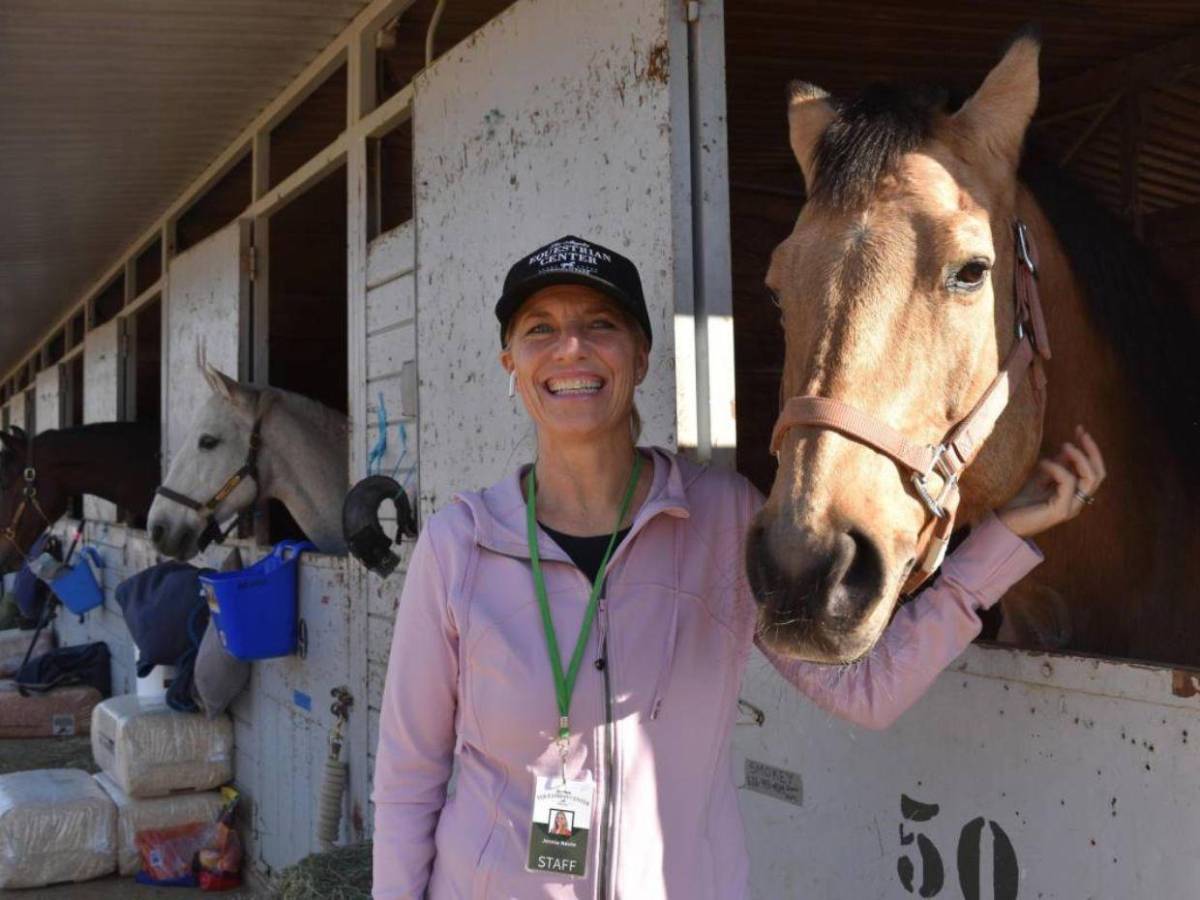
<point>499,511</point>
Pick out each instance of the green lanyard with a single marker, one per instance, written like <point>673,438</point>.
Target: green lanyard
<point>564,685</point>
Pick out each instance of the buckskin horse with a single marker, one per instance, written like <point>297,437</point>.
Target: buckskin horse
<point>116,461</point>
<point>905,294</point>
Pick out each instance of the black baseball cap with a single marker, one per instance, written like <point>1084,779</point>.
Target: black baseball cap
<point>572,260</point>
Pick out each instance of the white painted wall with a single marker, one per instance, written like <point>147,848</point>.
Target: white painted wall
<point>16,410</point>
<point>206,291</point>
<point>391,371</point>
<point>102,370</point>
<point>1087,766</point>
<point>553,119</point>
<point>49,394</point>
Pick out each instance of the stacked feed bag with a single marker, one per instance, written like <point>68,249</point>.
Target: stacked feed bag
<point>135,815</point>
<point>55,825</point>
<point>56,713</point>
<point>150,750</point>
<point>14,642</point>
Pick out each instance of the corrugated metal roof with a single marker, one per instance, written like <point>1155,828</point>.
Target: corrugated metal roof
<point>109,109</point>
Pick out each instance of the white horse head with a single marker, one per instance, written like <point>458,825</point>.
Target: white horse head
<point>301,460</point>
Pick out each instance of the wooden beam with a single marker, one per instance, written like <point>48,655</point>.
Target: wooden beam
<point>1091,129</point>
<point>369,20</point>
<point>360,78</point>
<point>260,164</point>
<point>392,112</point>
<point>1130,75</point>
<point>299,181</point>
<point>132,306</point>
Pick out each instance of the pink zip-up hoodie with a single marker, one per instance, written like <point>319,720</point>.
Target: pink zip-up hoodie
<point>469,684</point>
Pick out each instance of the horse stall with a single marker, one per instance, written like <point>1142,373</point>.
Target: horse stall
<point>348,245</point>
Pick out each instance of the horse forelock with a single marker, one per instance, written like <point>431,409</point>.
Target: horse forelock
<point>869,136</point>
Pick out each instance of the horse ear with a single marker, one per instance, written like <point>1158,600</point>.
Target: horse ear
<point>996,117</point>
<point>809,114</point>
<point>235,392</point>
<point>220,383</point>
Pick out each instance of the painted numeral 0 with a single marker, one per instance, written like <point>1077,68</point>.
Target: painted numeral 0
<point>970,851</point>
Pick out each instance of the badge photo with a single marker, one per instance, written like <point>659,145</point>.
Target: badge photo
<point>558,833</point>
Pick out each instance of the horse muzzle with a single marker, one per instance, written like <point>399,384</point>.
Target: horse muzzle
<point>819,595</point>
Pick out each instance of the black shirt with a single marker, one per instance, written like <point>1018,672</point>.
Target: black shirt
<point>586,552</point>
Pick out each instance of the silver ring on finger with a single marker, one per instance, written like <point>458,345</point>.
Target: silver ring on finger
<point>1084,498</point>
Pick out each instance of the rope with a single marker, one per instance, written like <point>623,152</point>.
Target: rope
<point>333,783</point>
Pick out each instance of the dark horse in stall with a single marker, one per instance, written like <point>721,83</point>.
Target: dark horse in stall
<point>898,287</point>
<point>116,461</point>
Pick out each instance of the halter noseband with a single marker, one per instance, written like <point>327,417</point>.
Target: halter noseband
<point>29,498</point>
<point>961,445</point>
<point>212,531</point>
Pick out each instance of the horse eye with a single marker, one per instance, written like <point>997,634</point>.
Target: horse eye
<point>774,297</point>
<point>971,276</point>
<point>208,442</point>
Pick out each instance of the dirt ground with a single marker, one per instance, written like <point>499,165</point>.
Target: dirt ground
<point>119,889</point>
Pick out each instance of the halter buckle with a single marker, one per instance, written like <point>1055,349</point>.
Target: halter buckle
<point>1024,253</point>
<point>936,505</point>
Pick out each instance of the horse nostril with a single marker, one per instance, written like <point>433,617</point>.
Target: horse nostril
<point>863,574</point>
<point>156,534</point>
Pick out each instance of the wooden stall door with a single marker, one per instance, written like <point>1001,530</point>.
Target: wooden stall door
<point>49,399</point>
<point>554,119</point>
<point>208,289</point>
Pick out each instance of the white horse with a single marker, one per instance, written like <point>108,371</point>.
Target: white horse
<point>248,443</point>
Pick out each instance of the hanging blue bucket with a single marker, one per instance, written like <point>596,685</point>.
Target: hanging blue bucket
<point>254,609</point>
<point>76,587</point>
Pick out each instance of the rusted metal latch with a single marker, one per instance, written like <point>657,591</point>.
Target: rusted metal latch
<point>340,708</point>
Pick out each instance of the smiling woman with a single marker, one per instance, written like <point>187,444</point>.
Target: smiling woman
<point>632,559</point>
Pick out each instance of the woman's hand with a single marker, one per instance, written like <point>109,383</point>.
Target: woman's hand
<point>1058,490</point>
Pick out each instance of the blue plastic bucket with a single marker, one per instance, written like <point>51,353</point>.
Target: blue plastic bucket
<point>254,609</point>
<point>76,587</point>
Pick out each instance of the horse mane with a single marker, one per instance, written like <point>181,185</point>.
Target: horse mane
<point>329,420</point>
<point>1132,303</point>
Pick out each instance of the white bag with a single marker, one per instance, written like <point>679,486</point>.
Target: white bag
<point>150,750</point>
<point>55,825</point>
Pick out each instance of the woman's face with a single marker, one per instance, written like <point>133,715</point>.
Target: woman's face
<point>577,358</point>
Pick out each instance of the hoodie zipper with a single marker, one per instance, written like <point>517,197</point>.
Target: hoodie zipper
<point>607,813</point>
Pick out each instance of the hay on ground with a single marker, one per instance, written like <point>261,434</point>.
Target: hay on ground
<point>343,873</point>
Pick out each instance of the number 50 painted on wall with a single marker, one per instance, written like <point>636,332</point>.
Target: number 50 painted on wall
<point>970,849</point>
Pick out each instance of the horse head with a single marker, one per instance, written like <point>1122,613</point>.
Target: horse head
<point>25,502</point>
<point>202,487</point>
<point>897,294</point>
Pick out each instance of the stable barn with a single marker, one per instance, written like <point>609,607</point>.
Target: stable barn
<point>323,197</point>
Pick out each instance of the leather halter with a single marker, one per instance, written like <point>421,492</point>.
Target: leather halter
<point>948,459</point>
<point>29,499</point>
<point>208,510</point>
